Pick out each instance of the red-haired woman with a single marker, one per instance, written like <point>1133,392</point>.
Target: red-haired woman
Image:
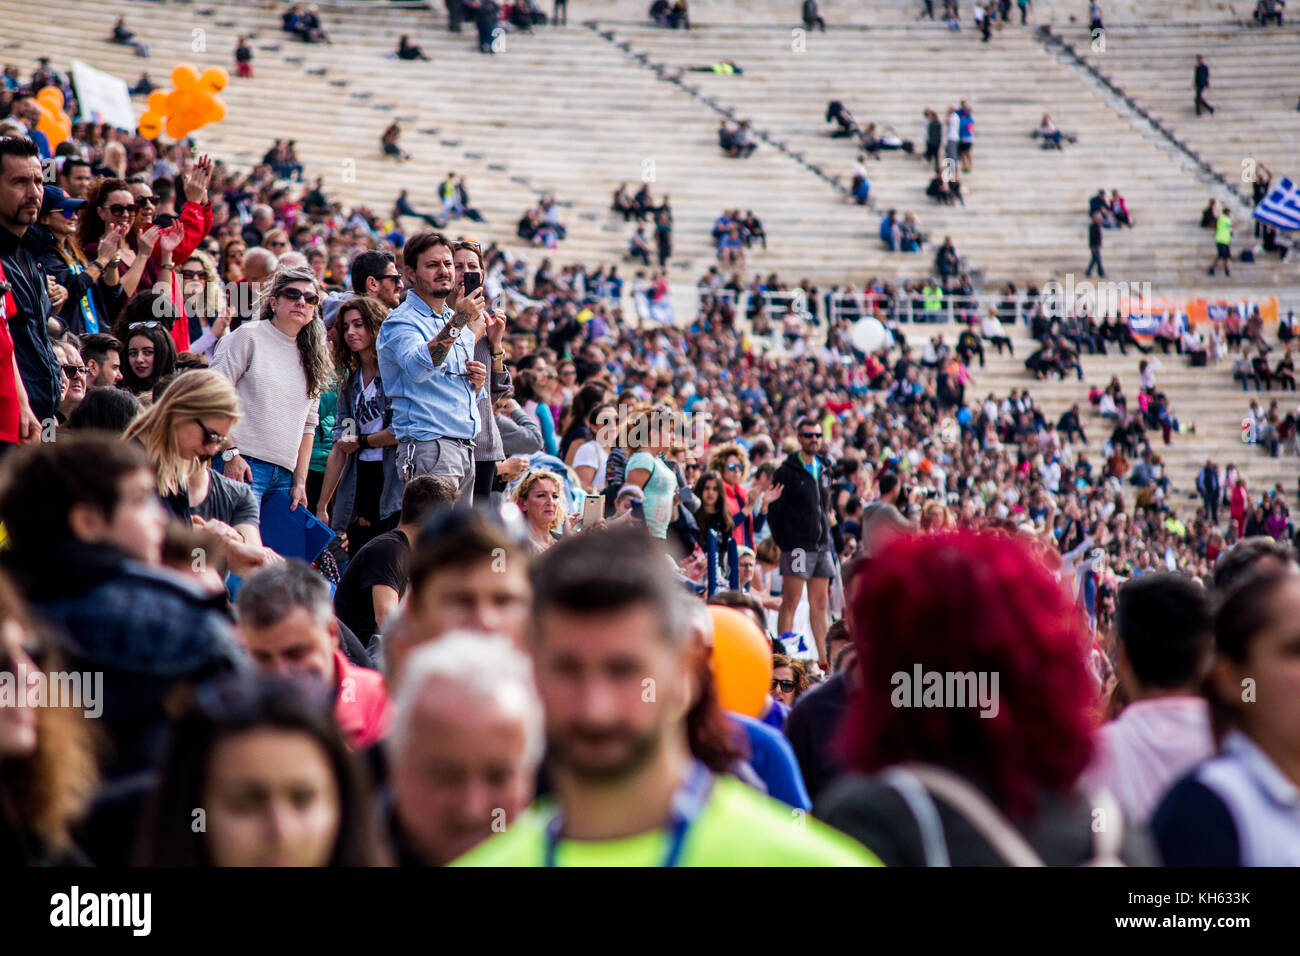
<point>972,718</point>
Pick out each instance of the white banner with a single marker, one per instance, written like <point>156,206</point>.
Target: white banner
<point>103,98</point>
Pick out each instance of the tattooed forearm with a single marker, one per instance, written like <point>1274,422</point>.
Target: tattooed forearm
<point>441,343</point>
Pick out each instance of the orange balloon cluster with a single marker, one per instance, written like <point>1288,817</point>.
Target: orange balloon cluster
<point>742,661</point>
<point>54,123</point>
<point>193,103</point>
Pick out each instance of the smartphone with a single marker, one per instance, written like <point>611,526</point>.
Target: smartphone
<point>472,281</point>
<point>593,510</point>
<point>637,511</point>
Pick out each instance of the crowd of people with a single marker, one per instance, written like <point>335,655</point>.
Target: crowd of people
<point>538,503</point>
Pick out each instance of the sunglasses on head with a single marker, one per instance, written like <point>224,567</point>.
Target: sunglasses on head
<point>293,295</point>
<point>142,325</point>
<point>209,436</point>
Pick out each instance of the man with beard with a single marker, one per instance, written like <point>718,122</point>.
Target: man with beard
<point>616,661</point>
<point>428,366</point>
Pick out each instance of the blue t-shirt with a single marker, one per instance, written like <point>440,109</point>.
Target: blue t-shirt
<point>773,760</point>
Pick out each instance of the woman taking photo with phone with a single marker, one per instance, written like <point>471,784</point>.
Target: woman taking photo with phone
<point>361,472</point>
<point>94,285</point>
<point>279,366</point>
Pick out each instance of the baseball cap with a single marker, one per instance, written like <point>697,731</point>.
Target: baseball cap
<point>56,199</point>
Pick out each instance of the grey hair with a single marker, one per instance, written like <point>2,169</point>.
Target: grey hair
<point>293,260</point>
<point>486,666</point>
<point>258,254</point>
<point>270,595</point>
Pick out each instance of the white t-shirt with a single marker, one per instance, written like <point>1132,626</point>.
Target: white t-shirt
<point>590,454</point>
<point>954,128</point>
<point>369,415</point>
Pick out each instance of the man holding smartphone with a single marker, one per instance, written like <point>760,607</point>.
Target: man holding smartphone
<point>426,359</point>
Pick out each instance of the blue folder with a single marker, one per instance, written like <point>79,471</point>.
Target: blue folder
<point>293,534</point>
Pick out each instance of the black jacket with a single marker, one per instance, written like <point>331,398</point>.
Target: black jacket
<point>800,517</point>
<point>37,363</point>
<point>107,299</point>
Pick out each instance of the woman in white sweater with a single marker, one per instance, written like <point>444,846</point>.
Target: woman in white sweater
<point>278,364</point>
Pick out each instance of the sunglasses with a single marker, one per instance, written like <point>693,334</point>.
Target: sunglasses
<point>735,467</point>
<point>192,274</point>
<point>142,325</point>
<point>293,295</point>
<point>787,686</point>
<point>71,213</point>
<point>395,277</point>
<point>209,436</point>
<point>277,244</point>
<point>120,209</point>
<point>146,201</point>
<point>74,370</point>
<point>809,436</point>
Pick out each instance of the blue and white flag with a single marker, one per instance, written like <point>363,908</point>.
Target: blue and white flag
<point>1281,207</point>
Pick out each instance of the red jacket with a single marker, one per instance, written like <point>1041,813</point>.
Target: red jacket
<point>197,223</point>
<point>360,704</point>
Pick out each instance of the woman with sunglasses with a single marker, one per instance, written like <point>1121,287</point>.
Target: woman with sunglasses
<point>177,242</point>
<point>191,420</point>
<point>94,285</point>
<point>150,351</point>
<point>279,365</point>
<point>789,680</point>
<point>731,462</point>
<point>361,476</point>
<point>47,765</point>
<point>265,760</point>
<point>75,379</point>
<point>207,308</point>
<point>110,207</point>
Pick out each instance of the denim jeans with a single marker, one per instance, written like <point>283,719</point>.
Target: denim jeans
<point>268,479</point>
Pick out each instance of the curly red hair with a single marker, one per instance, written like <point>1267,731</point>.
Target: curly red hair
<point>960,601</point>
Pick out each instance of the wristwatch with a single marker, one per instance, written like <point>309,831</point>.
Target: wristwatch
<point>363,440</point>
<point>229,454</point>
<point>455,331</point>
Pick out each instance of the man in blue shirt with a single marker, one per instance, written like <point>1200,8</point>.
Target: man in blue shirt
<point>426,361</point>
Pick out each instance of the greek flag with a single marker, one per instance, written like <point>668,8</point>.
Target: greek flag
<point>1281,207</point>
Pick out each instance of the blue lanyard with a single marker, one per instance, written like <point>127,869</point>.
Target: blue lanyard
<point>687,804</point>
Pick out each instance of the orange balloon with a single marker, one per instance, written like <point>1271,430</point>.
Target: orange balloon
<point>742,662</point>
<point>214,80</point>
<point>175,102</point>
<point>158,102</point>
<point>51,126</point>
<point>176,127</point>
<point>50,96</point>
<point>150,125</point>
<point>184,76</point>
